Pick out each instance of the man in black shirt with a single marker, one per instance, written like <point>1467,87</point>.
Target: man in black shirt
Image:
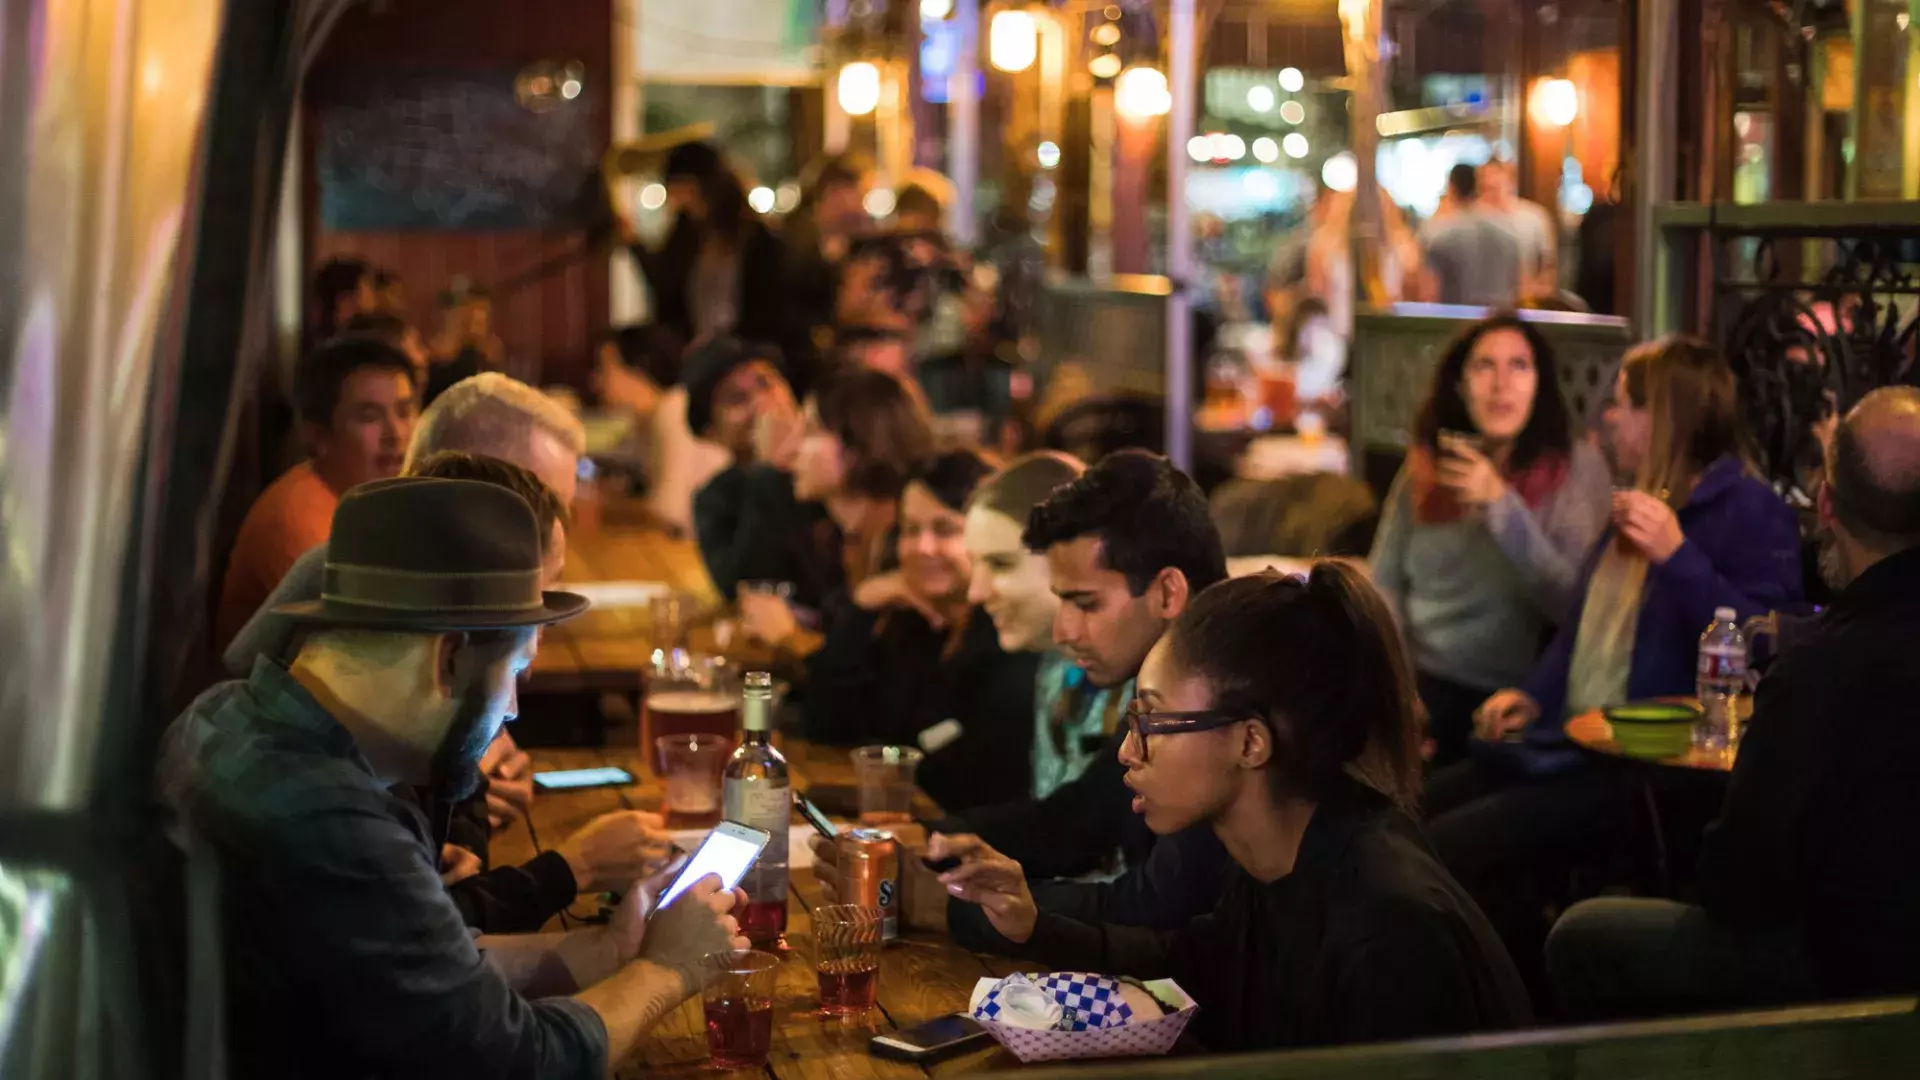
<point>1809,882</point>
<point>1129,544</point>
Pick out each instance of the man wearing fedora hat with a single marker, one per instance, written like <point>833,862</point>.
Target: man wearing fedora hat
<point>343,955</point>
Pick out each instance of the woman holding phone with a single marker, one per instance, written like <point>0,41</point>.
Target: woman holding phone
<point>1336,924</point>
<point>1482,534</point>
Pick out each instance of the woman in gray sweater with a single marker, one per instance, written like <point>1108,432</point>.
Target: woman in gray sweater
<point>1483,534</point>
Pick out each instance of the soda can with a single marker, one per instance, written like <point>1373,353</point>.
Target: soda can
<point>870,867</point>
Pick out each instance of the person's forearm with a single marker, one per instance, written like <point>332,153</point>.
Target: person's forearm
<point>547,965</point>
<point>632,1001</point>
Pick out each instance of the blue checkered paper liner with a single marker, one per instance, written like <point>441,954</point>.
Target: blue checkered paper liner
<point>1087,1002</point>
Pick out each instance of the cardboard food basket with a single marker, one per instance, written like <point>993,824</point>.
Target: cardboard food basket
<point>1100,1026</point>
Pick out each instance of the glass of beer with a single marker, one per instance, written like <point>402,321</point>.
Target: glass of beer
<point>689,695</point>
<point>847,957</point>
<point>692,764</point>
<point>739,1008</point>
<point>884,775</point>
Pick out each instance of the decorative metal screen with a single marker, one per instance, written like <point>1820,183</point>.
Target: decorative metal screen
<point>1394,353</point>
<point>1814,304</point>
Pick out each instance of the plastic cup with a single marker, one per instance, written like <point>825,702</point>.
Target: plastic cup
<point>739,1009</point>
<point>884,775</point>
<point>692,764</point>
<point>847,943</point>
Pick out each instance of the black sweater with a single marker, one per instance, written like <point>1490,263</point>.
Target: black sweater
<point>1817,832</point>
<point>881,677</point>
<point>1367,940</point>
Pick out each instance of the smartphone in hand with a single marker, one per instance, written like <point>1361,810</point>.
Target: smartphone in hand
<point>730,850</point>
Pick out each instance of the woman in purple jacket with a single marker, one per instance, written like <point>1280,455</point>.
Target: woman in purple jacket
<point>1696,531</point>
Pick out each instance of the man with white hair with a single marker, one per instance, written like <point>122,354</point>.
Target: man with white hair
<point>488,414</point>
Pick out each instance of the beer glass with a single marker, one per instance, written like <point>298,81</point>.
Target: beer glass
<point>689,695</point>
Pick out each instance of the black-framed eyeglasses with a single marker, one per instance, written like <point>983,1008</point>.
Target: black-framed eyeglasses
<point>1142,723</point>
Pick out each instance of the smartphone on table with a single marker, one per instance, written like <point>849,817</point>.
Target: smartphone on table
<point>577,779</point>
<point>730,850</point>
<point>940,1037</point>
<point>815,816</point>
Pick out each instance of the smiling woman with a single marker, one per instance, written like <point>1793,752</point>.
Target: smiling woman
<point>912,662</point>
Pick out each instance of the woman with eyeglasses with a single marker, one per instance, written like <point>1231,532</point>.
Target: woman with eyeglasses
<point>1336,924</point>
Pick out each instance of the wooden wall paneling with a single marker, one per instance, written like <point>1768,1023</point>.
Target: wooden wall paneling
<point>547,323</point>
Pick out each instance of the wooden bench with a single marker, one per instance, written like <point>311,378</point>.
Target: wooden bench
<point>1865,1040</point>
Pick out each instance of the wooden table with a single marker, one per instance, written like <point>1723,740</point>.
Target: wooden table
<point>608,647</point>
<point>921,977</point>
<point>1592,732</point>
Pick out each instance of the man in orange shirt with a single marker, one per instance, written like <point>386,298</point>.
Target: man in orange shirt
<point>357,403</point>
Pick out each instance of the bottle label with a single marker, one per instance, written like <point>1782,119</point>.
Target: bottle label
<point>760,804</point>
<point>767,807</point>
<point>1720,662</point>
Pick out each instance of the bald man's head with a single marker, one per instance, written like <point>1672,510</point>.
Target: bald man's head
<point>1873,470</point>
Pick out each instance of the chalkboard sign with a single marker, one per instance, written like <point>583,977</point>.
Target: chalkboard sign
<point>450,151</point>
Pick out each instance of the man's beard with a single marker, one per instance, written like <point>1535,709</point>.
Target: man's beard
<point>1833,566</point>
<point>455,772</point>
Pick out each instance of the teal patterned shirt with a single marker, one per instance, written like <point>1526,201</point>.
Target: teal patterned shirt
<point>1061,754</point>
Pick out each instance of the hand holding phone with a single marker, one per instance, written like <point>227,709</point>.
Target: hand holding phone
<point>815,816</point>
<point>728,852</point>
<point>680,936</point>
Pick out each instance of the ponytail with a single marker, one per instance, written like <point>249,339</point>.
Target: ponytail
<point>1320,661</point>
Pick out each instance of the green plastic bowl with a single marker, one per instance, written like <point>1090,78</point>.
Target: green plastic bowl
<point>1653,729</point>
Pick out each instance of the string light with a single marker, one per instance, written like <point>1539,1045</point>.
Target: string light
<point>1554,102</point>
<point>1012,40</point>
<point>1141,93</point>
<point>859,88</point>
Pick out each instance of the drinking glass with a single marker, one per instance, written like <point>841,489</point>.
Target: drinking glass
<point>670,616</point>
<point>689,694</point>
<point>693,763</point>
<point>739,1008</point>
<point>884,775</point>
<point>847,957</point>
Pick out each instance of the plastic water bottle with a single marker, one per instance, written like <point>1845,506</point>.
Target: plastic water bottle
<point>1720,679</point>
